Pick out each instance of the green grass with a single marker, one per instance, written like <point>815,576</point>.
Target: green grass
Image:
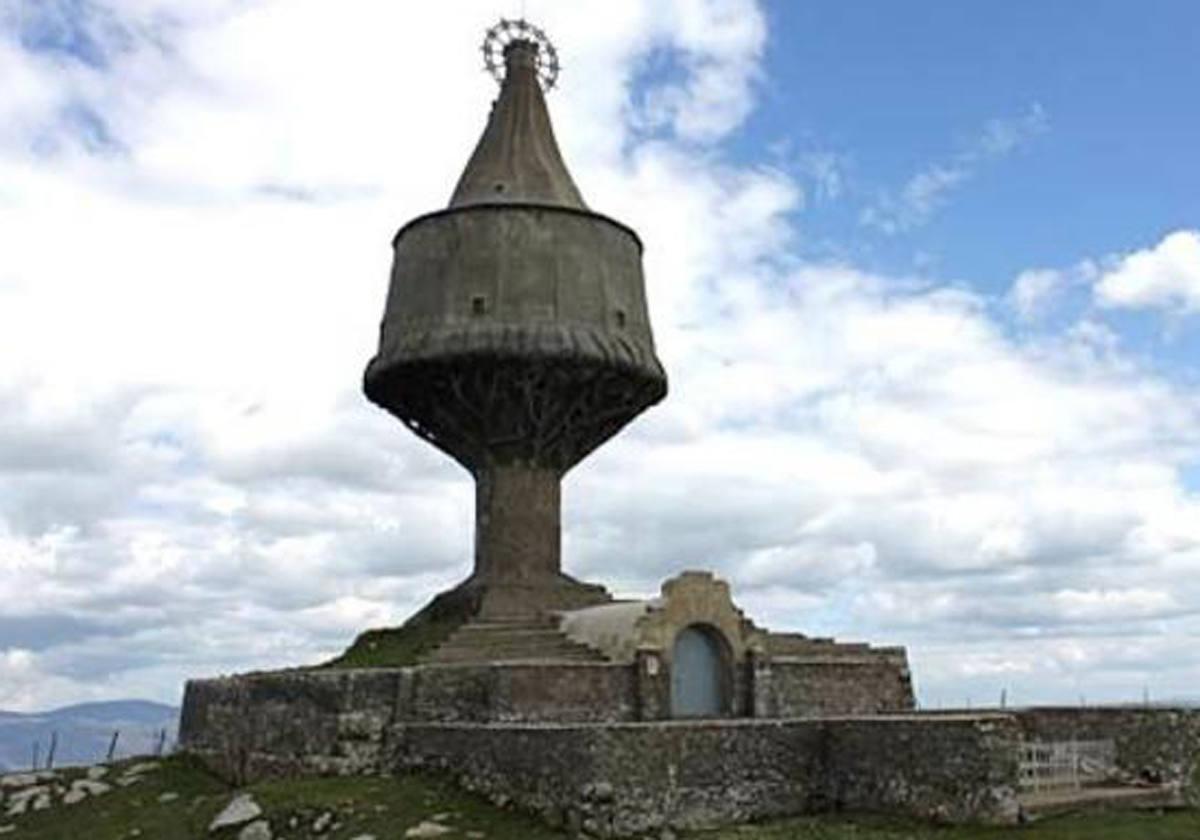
<point>117,813</point>
<point>1103,825</point>
<point>383,806</point>
<point>387,807</point>
<point>394,647</point>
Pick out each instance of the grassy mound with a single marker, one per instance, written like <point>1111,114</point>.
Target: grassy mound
<point>394,647</point>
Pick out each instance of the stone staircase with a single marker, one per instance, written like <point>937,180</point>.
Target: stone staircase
<point>514,640</point>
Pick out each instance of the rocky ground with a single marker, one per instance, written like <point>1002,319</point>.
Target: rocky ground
<point>175,799</point>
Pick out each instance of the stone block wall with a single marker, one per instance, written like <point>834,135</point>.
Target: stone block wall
<point>515,693</point>
<point>1152,744</point>
<point>625,779</point>
<point>816,686</point>
<point>953,768</point>
<point>289,723</point>
<point>334,720</point>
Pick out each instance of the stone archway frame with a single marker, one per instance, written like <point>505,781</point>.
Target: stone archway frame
<point>696,597</point>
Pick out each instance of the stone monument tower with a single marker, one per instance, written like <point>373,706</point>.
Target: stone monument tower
<point>516,337</point>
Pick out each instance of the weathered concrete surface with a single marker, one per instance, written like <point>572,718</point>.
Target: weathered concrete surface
<point>517,159</point>
<point>518,522</point>
<point>627,779</point>
<point>516,338</point>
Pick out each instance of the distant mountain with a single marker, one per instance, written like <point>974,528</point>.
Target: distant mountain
<point>84,732</point>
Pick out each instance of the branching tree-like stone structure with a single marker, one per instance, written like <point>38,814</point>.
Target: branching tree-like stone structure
<point>516,338</point>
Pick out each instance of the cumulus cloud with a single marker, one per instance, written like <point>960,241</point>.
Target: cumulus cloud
<point>190,482</point>
<point>1165,276</point>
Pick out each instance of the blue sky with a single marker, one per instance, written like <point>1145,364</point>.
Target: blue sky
<point>925,278</point>
<point>892,89</point>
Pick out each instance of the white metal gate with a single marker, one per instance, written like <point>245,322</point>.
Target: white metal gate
<point>1066,764</point>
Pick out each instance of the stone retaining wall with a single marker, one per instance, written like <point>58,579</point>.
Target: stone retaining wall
<point>571,692</point>
<point>334,720</point>
<point>1153,744</point>
<point>816,686</point>
<point>625,779</point>
<point>289,723</point>
<point>487,726</point>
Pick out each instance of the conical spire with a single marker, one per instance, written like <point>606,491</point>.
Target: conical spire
<point>517,159</point>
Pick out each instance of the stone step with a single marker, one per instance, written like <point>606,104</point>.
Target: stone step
<point>508,627</point>
<point>511,641</point>
<point>540,649</point>
<point>502,637</point>
<point>484,658</point>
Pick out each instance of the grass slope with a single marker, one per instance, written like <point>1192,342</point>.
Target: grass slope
<point>1104,825</point>
<point>387,807</point>
<point>394,647</point>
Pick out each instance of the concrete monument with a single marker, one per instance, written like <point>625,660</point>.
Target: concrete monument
<point>516,338</point>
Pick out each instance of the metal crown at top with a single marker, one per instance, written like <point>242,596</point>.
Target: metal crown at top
<point>501,38</point>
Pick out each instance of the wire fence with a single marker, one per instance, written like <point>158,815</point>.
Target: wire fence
<point>158,744</point>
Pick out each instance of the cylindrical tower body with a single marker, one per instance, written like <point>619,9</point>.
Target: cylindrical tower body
<point>516,336</point>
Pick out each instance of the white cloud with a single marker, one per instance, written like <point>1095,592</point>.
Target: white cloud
<point>190,482</point>
<point>930,189</point>
<point>1033,289</point>
<point>1165,276</point>
<point>717,44</point>
<point>1037,292</point>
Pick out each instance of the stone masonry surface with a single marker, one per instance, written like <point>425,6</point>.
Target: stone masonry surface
<point>601,771</point>
<point>815,686</point>
<point>625,779</point>
<point>1152,744</point>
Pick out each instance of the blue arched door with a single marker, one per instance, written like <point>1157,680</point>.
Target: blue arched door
<point>697,674</point>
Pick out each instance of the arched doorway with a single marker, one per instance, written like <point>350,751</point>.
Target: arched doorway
<point>699,673</point>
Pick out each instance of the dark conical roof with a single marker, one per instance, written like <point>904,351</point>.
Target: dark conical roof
<point>517,159</point>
